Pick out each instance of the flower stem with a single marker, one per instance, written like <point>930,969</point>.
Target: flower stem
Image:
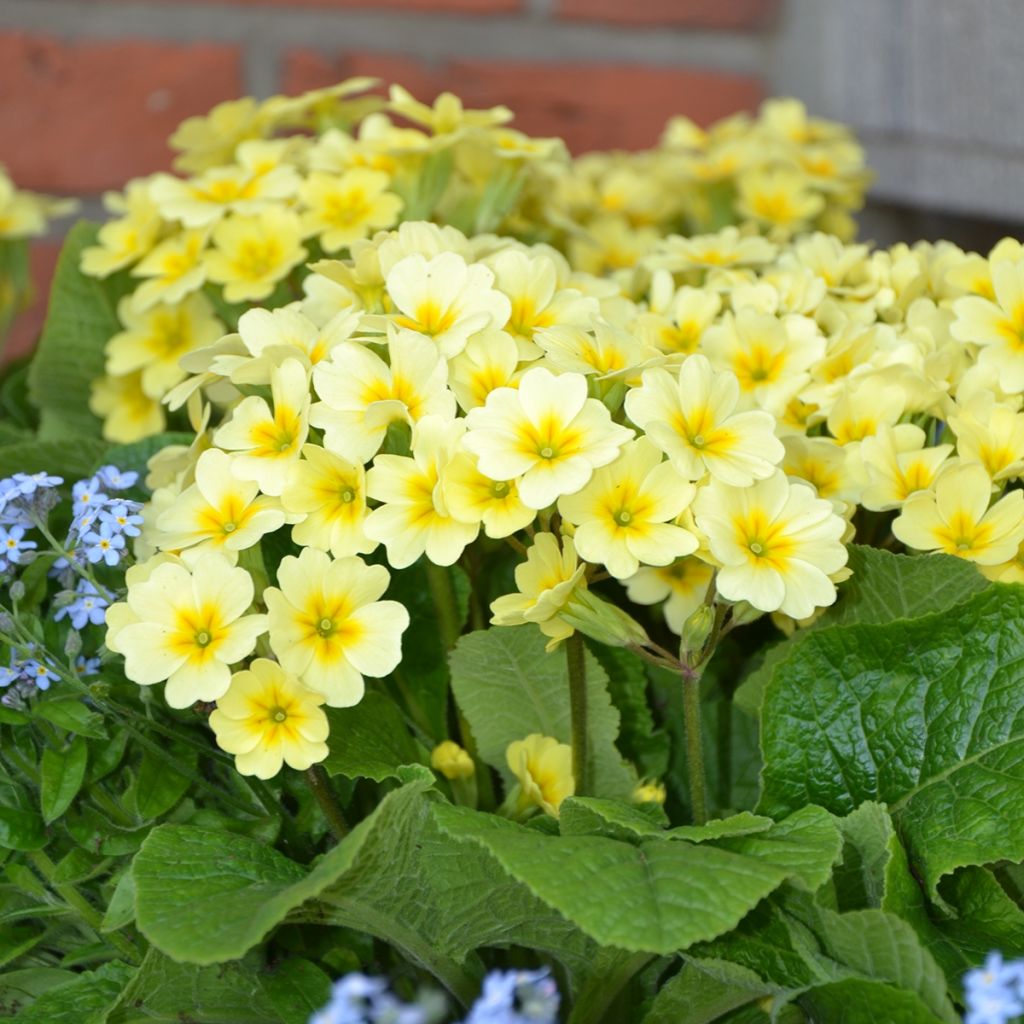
<point>694,745</point>
<point>320,787</point>
<point>446,607</point>
<point>574,657</point>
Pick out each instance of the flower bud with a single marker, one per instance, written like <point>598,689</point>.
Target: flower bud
<point>17,591</point>
<point>649,791</point>
<point>602,621</point>
<point>73,644</point>
<point>696,629</point>
<point>452,761</point>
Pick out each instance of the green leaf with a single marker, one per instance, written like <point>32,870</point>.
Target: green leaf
<point>206,897</point>
<point>73,715</point>
<point>121,909</point>
<point>656,896</point>
<point>861,1001</point>
<point>884,587</point>
<point>805,845</point>
<point>370,740</point>
<point>21,827</point>
<point>18,989</point>
<point>985,917</point>
<point>508,687</point>
<point>742,824</point>
<point>694,996</point>
<point>157,788</point>
<point>86,1000</point>
<point>922,715</point>
<point>15,940</point>
<point>81,318</point>
<point>882,946</point>
<point>94,832</point>
<point>71,461</point>
<point>296,989</point>
<point>166,992</point>
<point>60,777</point>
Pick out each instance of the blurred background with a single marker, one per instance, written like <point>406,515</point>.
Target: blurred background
<point>90,89</point>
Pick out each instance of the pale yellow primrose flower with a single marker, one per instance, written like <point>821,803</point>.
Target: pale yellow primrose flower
<point>546,581</point>
<point>623,516</point>
<point>188,627</point>
<point>327,626</point>
<point>649,792</point>
<point>471,497</point>
<point>956,518</point>
<point>683,586</point>
<point>361,394</point>
<point>252,253</point>
<point>269,440</point>
<point>692,418</point>
<point>218,512</point>
<point>268,718</point>
<point>997,326</point>
<point>128,413</point>
<point>414,518</point>
<point>174,268</point>
<point>547,431</point>
<point>446,299</point>
<point>543,768</point>
<point>341,209</point>
<point>329,494</point>
<point>898,465</point>
<point>489,360</point>
<point>991,433</point>
<point>776,542</point>
<point>154,340</point>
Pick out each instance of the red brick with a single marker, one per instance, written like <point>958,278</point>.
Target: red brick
<point>427,6</point>
<point>718,14</point>
<point>591,106</point>
<point>83,117</point>
<point>28,325</point>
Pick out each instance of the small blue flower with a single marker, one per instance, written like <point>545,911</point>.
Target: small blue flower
<point>38,672</point>
<point>13,545</point>
<point>516,997</point>
<point>87,666</point>
<point>994,993</point>
<point>88,607</point>
<point>123,517</point>
<point>29,483</point>
<point>116,479</point>
<point>352,1000</point>
<point>88,494</point>
<point>15,507</point>
<point>103,545</point>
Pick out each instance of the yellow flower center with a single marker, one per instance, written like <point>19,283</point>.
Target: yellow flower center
<point>348,495</point>
<point>547,452</point>
<point>203,638</point>
<point>256,259</point>
<point>278,715</point>
<point>325,627</point>
<point>499,488</point>
<point>623,517</point>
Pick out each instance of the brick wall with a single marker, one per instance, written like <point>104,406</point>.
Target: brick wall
<point>90,89</point>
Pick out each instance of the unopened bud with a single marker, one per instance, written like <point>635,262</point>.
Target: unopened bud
<point>602,621</point>
<point>452,761</point>
<point>17,591</point>
<point>73,644</point>
<point>696,630</point>
<point>742,613</point>
<point>100,690</point>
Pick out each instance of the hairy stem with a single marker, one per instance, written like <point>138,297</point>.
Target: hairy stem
<point>320,787</point>
<point>574,656</point>
<point>446,607</point>
<point>694,746</point>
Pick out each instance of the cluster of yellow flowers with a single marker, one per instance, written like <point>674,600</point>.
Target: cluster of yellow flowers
<point>273,187</point>
<point>710,440</point>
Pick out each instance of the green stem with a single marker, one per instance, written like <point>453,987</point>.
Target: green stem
<point>320,787</point>
<point>574,657</point>
<point>694,746</point>
<point>85,910</point>
<point>80,570</point>
<point>446,607</point>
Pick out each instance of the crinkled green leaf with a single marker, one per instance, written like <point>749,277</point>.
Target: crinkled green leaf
<point>884,587</point>
<point>805,845</point>
<point>85,1000</point>
<point>508,687</point>
<point>694,996</point>
<point>166,992</point>
<point>370,740</point>
<point>36,455</point>
<point>926,716</point>
<point>656,897</point>
<point>205,897</point>
<point>121,908</point>
<point>862,1001</point>
<point>296,989</point>
<point>984,917</point>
